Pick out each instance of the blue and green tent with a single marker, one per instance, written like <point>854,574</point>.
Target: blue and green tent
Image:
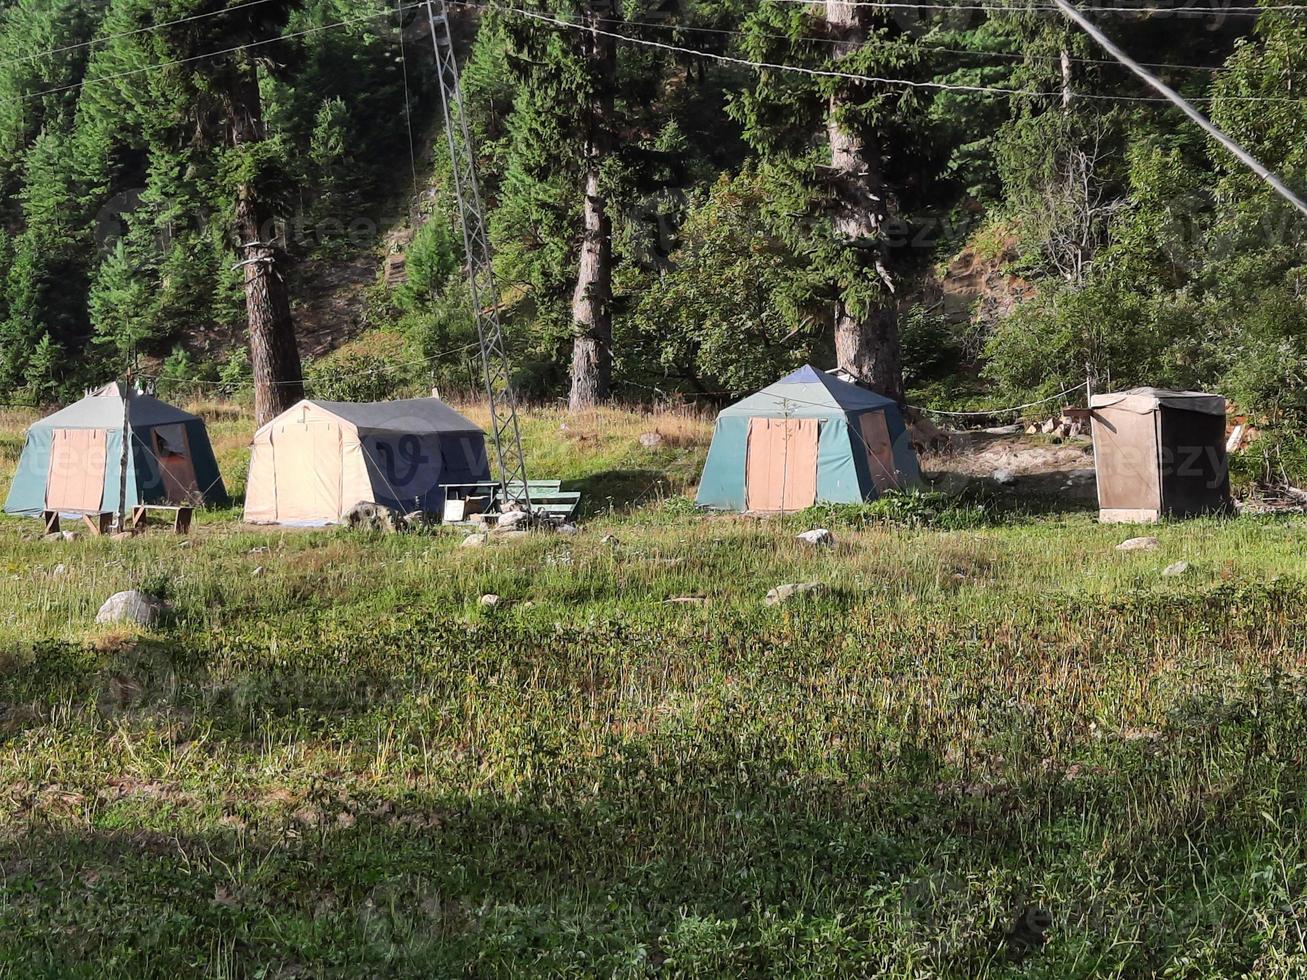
<point>809,437</point>
<point>73,460</point>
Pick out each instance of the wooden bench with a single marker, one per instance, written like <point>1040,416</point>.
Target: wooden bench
<point>547,498</point>
<point>98,522</point>
<point>181,516</point>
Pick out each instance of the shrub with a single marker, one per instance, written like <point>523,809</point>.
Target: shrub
<point>902,508</point>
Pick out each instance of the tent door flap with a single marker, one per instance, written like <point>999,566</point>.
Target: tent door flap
<point>781,464</point>
<point>78,461</point>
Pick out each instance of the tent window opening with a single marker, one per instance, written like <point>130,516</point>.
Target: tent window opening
<point>171,449</point>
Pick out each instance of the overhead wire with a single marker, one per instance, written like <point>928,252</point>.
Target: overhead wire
<point>832,73</point>
<point>1255,11</point>
<point>105,39</point>
<point>691,29</point>
<point>113,76</point>
<point>408,108</point>
<point>680,49</point>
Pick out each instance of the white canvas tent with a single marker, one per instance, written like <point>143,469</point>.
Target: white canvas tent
<point>316,461</point>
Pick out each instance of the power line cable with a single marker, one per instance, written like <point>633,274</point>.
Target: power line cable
<point>611,20</point>
<point>1044,8</point>
<point>759,65</point>
<point>1244,157</point>
<point>215,54</point>
<point>140,30</point>
<point>830,73</point>
<point>408,108</point>
<point>930,47</point>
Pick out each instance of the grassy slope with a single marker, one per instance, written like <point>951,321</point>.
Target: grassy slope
<point>331,759</point>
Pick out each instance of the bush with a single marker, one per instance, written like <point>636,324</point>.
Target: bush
<point>357,377</point>
<point>902,508</point>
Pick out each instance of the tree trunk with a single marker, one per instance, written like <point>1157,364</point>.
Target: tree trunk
<point>866,342</point>
<point>592,302</point>
<point>274,356</point>
<point>1065,59</point>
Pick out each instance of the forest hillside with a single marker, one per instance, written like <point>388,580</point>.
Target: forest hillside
<point>972,204</point>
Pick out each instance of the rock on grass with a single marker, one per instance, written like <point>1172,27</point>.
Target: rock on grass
<point>1138,544</point>
<point>818,537</point>
<point>130,607</point>
<point>783,593</point>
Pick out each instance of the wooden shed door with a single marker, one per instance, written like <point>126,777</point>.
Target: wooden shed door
<point>880,451</point>
<point>77,469</point>
<point>1125,457</point>
<point>780,470</point>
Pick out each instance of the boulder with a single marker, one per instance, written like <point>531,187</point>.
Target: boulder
<point>1138,544</point>
<point>568,529</point>
<point>1004,477</point>
<point>366,516</point>
<point>651,440</point>
<point>1175,570</point>
<point>818,537</point>
<point>511,519</point>
<point>130,607</point>
<point>783,593</point>
<point>474,540</point>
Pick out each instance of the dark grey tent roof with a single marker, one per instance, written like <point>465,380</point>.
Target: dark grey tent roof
<point>103,409</point>
<point>1146,400</point>
<point>407,415</point>
<point>808,393</point>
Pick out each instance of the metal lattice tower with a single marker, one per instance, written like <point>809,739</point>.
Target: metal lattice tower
<point>480,260</point>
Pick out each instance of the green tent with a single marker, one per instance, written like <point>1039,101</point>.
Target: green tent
<point>73,460</point>
<point>809,437</point>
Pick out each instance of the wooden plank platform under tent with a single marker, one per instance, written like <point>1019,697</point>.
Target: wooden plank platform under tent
<point>98,522</point>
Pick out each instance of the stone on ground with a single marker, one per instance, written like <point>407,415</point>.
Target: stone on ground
<point>1175,570</point>
<point>475,540</point>
<point>490,600</point>
<point>1138,544</point>
<point>818,537</point>
<point>784,592</point>
<point>132,606</point>
<point>651,440</point>
<point>1005,477</point>
<point>510,519</point>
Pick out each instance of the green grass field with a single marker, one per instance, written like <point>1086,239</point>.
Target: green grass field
<point>991,745</point>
